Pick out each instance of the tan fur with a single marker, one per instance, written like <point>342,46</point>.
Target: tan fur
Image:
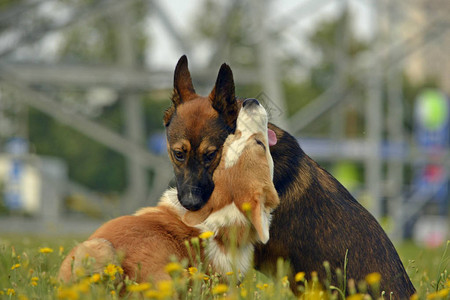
<point>146,241</point>
<point>246,182</point>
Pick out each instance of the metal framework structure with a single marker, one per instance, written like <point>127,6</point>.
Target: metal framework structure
<point>383,60</point>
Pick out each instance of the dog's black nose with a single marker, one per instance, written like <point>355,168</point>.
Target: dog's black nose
<point>250,101</point>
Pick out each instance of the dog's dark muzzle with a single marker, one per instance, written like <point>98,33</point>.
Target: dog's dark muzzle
<point>193,198</point>
<point>191,202</point>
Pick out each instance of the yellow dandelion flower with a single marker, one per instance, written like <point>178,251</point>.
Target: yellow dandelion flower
<point>152,294</point>
<point>261,286</point>
<point>140,287</point>
<point>173,267</point>
<point>120,270</point>
<point>165,288</point>
<point>111,271</point>
<point>414,297</point>
<point>165,285</point>
<point>113,293</point>
<point>34,281</point>
<point>45,250</point>
<point>220,289</point>
<point>229,273</point>
<point>84,286</point>
<point>2,293</point>
<point>355,297</point>
<point>192,270</point>
<point>95,278</point>
<point>61,250</point>
<point>10,292</point>
<point>300,276</point>
<point>68,294</point>
<point>206,235</point>
<point>246,206</point>
<point>443,293</point>
<point>15,266</point>
<point>373,278</point>
<point>244,293</point>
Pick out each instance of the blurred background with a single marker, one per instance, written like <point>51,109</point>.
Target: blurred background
<point>362,84</point>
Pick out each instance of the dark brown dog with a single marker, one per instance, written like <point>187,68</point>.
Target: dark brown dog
<point>317,219</point>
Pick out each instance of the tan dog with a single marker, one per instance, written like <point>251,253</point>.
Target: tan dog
<point>150,237</point>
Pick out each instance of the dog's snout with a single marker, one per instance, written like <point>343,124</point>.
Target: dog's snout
<point>250,101</point>
<point>192,202</point>
<point>194,197</point>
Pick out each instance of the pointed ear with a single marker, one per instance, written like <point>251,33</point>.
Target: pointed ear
<point>260,221</point>
<point>192,218</point>
<point>183,89</point>
<point>223,97</point>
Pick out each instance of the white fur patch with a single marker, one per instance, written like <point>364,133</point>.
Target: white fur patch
<point>265,224</point>
<point>250,120</point>
<point>234,151</point>
<point>170,198</point>
<point>223,261</point>
<point>228,215</point>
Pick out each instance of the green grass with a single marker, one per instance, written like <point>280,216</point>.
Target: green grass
<point>427,268</point>
<point>28,272</point>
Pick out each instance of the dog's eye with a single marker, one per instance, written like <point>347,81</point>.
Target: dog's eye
<point>260,143</point>
<point>210,156</point>
<point>179,155</point>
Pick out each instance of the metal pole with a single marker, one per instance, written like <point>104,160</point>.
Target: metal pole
<point>268,69</point>
<point>337,129</point>
<point>133,114</point>
<point>395,113</point>
<point>374,121</point>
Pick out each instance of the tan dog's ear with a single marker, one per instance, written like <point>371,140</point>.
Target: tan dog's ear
<point>192,218</point>
<point>260,221</point>
<point>183,89</point>
<point>223,98</point>
<point>272,199</point>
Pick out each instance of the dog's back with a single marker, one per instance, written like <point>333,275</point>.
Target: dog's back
<point>145,241</point>
<point>326,221</point>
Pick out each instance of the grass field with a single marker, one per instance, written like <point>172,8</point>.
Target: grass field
<point>29,266</point>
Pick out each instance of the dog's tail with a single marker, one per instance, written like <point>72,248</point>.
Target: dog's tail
<point>87,258</point>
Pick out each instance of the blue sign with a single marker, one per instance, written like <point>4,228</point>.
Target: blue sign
<point>17,147</point>
<point>432,134</point>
